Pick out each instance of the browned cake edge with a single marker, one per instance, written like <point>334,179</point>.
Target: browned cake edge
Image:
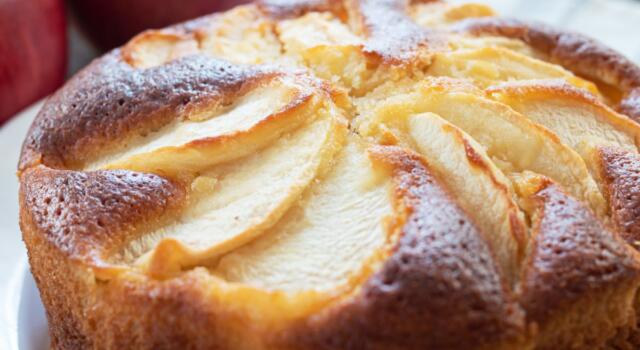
<point>576,267</point>
<point>87,214</point>
<point>620,174</point>
<point>582,55</point>
<point>112,101</point>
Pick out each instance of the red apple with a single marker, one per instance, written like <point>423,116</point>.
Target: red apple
<point>110,23</point>
<point>33,52</point>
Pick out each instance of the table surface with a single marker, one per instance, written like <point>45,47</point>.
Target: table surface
<point>615,22</point>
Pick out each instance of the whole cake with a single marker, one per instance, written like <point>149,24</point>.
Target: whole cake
<point>357,174</point>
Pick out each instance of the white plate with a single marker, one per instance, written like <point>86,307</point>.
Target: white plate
<point>23,323</point>
<point>24,313</point>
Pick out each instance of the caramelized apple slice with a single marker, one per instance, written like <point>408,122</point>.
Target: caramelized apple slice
<point>441,268</point>
<point>327,47</point>
<point>203,140</point>
<point>464,42</point>
<point>335,53</point>
<point>156,47</point>
<point>439,14</point>
<point>481,188</point>
<point>324,240</point>
<point>576,117</point>
<point>313,30</point>
<point>241,35</point>
<point>491,65</point>
<point>514,143</point>
<point>233,203</point>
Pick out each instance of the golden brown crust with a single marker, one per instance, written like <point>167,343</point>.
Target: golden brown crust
<point>580,54</point>
<point>63,288</point>
<point>87,214</point>
<point>620,173</point>
<point>110,101</point>
<point>145,317</point>
<point>572,253</point>
<point>392,35</point>
<point>439,289</point>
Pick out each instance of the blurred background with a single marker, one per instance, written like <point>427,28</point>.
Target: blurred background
<point>43,42</point>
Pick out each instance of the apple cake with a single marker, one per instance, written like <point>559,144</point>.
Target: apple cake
<point>325,174</point>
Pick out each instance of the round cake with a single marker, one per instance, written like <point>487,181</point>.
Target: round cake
<point>323,174</point>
